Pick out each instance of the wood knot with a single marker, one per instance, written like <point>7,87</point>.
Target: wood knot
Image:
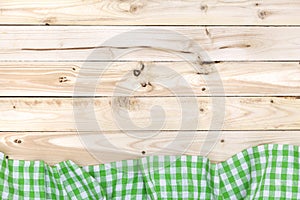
<point>134,8</point>
<point>143,84</point>
<point>49,20</point>
<point>204,8</point>
<point>207,32</point>
<point>125,102</point>
<point>262,14</point>
<point>203,73</point>
<point>137,72</point>
<point>62,79</point>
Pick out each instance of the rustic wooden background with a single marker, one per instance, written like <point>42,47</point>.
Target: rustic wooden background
<point>254,45</point>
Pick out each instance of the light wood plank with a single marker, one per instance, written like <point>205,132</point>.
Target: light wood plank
<point>57,114</point>
<point>36,43</point>
<point>69,145</point>
<point>237,78</point>
<point>151,12</point>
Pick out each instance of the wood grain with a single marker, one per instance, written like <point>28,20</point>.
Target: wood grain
<point>135,113</point>
<point>150,12</point>
<point>69,145</point>
<point>119,78</point>
<point>197,44</point>
<point>257,60</point>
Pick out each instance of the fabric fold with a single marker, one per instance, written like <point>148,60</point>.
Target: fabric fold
<point>22,179</point>
<point>180,177</point>
<point>262,172</point>
<point>77,183</point>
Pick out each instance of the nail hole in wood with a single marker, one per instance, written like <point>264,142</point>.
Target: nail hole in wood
<point>47,24</point>
<point>143,152</point>
<point>143,84</point>
<point>14,107</point>
<point>17,141</point>
<point>222,141</point>
<point>74,68</point>
<point>272,101</point>
<point>203,89</point>
<point>201,109</point>
<point>6,157</point>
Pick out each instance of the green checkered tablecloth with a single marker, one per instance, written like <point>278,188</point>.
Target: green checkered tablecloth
<point>263,172</point>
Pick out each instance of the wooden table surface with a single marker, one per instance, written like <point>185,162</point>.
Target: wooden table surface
<point>47,47</point>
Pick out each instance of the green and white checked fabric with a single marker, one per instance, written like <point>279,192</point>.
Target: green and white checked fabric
<point>263,172</point>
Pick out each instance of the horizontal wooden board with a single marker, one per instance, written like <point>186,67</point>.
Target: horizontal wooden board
<point>69,145</point>
<point>155,113</point>
<point>151,12</point>
<point>196,44</point>
<point>121,78</point>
